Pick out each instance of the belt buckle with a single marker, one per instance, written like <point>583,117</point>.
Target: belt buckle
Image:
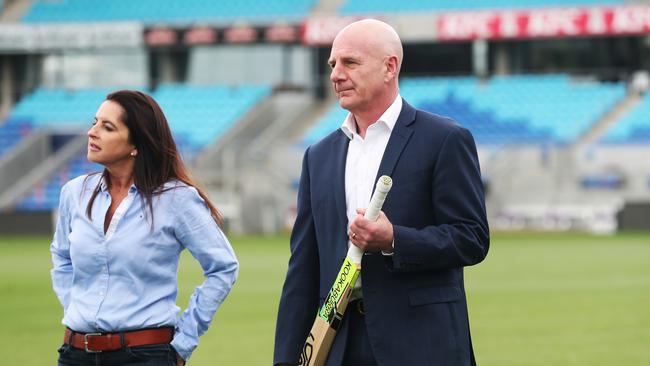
<point>86,342</point>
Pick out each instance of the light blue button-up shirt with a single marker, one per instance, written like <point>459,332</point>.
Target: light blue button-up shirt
<point>126,278</point>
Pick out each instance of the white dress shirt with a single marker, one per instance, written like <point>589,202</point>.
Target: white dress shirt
<point>363,159</point>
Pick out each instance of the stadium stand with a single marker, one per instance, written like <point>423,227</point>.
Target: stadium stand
<point>11,132</point>
<point>382,6</point>
<point>513,109</point>
<point>59,107</point>
<point>45,196</point>
<point>165,10</point>
<point>634,128</point>
<point>535,133</point>
<point>198,115</point>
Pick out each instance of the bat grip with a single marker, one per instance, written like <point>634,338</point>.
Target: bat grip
<point>372,213</point>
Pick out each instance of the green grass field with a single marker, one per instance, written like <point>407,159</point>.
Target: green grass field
<point>547,299</point>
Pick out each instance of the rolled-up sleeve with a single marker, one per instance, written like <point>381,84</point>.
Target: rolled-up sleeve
<point>197,231</point>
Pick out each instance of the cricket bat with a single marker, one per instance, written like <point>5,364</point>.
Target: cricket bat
<point>327,322</point>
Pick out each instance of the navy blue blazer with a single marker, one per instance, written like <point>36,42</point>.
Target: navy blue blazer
<point>415,304</point>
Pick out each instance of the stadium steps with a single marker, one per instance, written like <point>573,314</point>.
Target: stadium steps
<point>213,162</point>
<point>238,171</point>
<point>14,11</point>
<point>278,117</point>
<point>600,127</point>
<point>517,173</point>
<point>217,166</point>
<point>22,158</point>
<point>47,167</point>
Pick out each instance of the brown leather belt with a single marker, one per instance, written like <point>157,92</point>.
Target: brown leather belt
<point>99,342</point>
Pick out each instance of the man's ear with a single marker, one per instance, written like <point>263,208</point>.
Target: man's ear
<point>391,68</point>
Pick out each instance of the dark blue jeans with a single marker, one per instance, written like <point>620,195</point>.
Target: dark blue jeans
<point>151,355</point>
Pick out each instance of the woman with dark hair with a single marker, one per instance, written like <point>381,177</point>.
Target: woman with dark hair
<point>118,240</point>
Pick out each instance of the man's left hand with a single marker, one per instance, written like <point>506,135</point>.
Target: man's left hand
<point>371,236</point>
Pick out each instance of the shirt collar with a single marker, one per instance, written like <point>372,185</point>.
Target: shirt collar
<point>103,186</point>
<point>389,118</point>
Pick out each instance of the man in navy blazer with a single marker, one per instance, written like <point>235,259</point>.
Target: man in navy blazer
<point>411,307</point>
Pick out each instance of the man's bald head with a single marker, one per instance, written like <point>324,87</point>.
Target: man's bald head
<point>366,58</point>
<point>375,37</point>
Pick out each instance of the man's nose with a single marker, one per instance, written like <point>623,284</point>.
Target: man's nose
<point>336,74</point>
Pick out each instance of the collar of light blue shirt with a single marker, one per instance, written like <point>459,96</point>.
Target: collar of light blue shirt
<point>103,186</point>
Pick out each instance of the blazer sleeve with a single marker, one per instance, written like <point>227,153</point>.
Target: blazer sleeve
<point>460,235</point>
<point>299,299</point>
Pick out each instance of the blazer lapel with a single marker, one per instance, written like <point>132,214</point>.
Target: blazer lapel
<point>399,137</point>
<point>339,154</point>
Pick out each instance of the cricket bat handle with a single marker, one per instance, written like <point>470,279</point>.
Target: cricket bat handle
<point>384,184</point>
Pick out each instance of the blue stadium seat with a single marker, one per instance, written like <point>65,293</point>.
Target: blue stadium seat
<point>200,114</point>
<point>12,132</point>
<point>512,109</point>
<point>633,128</point>
<point>197,115</point>
<point>602,181</point>
<point>45,196</point>
<point>59,107</point>
<point>155,11</point>
<point>383,6</point>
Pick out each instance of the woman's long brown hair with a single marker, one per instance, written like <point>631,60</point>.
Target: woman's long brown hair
<point>158,160</point>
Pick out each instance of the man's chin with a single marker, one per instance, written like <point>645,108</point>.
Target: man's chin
<point>345,103</point>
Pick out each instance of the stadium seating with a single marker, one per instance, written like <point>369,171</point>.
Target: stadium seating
<point>11,132</point>
<point>513,109</point>
<point>633,128</point>
<point>382,6</point>
<point>55,109</point>
<point>197,115</point>
<point>45,196</point>
<point>608,180</point>
<point>153,11</point>
<point>59,107</point>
